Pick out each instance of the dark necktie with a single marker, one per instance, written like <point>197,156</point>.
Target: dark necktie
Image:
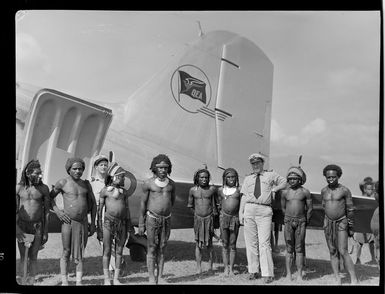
<point>257,187</point>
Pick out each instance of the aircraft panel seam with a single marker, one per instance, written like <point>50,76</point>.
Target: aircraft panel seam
<point>230,62</point>
<point>201,110</point>
<point>209,110</point>
<point>225,113</point>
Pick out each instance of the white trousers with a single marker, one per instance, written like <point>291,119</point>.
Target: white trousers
<point>257,232</point>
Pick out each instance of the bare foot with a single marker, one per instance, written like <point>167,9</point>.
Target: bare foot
<point>161,280</point>
<point>231,273</point>
<point>354,282</point>
<point>299,279</point>
<point>79,283</point>
<point>116,282</point>
<point>288,278</point>
<point>152,281</point>
<point>107,282</point>
<point>31,281</point>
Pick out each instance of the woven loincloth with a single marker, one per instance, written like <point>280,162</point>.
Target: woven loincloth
<point>204,230</point>
<point>331,228</point>
<point>158,229</point>
<point>116,226</point>
<point>295,229</point>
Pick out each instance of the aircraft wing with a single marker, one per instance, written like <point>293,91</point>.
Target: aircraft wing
<point>364,208</point>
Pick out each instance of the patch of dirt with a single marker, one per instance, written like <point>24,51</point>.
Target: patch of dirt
<point>180,265</point>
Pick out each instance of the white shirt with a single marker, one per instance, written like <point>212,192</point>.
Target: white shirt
<point>97,185</point>
<point>269,180</point>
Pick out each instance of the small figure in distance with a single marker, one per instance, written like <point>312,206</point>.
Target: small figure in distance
<point>362,238</point>
<point>375,226</point>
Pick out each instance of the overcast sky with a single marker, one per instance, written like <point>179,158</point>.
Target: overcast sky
<point>326,72</point>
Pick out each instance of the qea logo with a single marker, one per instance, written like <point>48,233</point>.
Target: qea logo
<point>190,88</point>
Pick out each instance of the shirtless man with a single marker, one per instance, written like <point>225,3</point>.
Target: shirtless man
<point>32,212</point>
<point>229,199</point>
<point>338,223</point>
<point>297,208</point>
<point>98,183</point>
<point>78,200</point>
<point>202,201</point>
<point>117,222</point>
<point>155,214</point>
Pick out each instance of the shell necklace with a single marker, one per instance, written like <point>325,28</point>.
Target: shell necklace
<point>160,183</point>
<point>228,191</point>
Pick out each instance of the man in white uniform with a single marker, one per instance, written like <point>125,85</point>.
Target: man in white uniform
<point>255,213</point>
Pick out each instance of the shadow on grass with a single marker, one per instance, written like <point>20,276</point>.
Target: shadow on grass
<point>318,268</point>
<point>182,251</point>
<point>92,266</point>
<point>124,280</point>
<point>194,277</point>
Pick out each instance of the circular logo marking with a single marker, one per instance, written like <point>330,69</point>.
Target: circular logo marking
<point>190,88</point>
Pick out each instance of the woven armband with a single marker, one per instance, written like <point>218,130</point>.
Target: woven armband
<point>350,215</point>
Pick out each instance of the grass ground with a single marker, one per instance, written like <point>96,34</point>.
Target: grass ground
<point>180,266</point>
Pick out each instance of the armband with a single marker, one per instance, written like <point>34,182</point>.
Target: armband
<point>350,222</point>
<point>350,211</point>
<point>131,229</point>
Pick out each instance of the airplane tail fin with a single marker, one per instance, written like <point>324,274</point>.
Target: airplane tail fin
<point>211,105</point>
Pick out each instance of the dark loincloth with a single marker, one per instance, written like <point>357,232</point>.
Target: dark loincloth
<point>228,221</point>
<point>295,230</point>
<point>204,230</point>
<point>79,236</point>
<point>116,226</point>
<point>158,229</point>
<point>34,228</point>
<point>331,229</point>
